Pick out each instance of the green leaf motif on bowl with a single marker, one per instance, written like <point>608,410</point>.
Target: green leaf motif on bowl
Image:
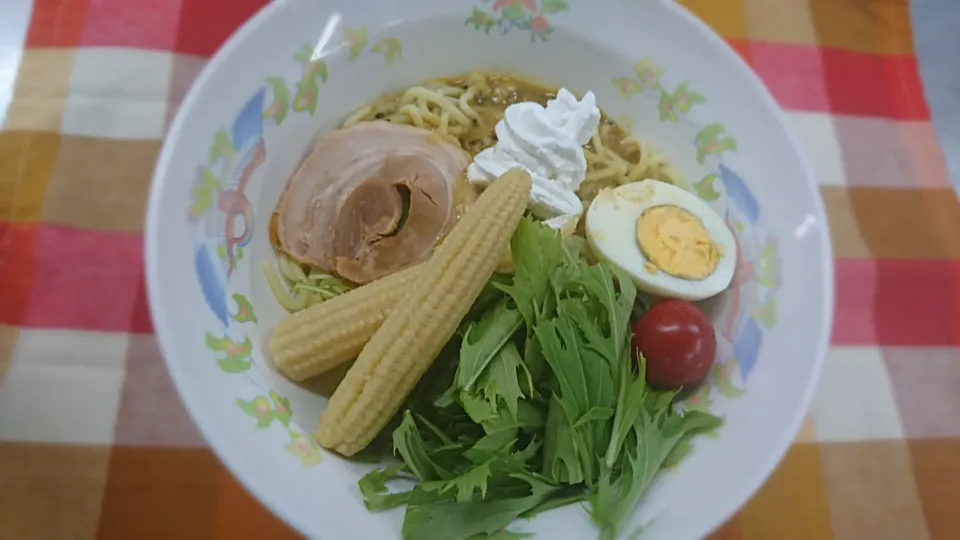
<point>233,357</point>
<point>267,410</point>
<point>390,48</point>
<point>684,98</point>
<point>553,6</point>
<point>648,72</point>
<point>305,448</point>
<point>769,265</point>
<point>766,312</point>
<point>278,108</point>
<point>711,141</point>
<point>627,86</point>
<point>647,77</point>
<point>221,147</point>
<point>480,19</point>
<point>204,193</point>
<point>723,379</point>
<point>667,108</point>
<point>355,39</point>
<point>705,188</point>
<point>259,408</point>
<point>308,89</point>
<point>244,309</point>
<point>700,400</point>
<point>281,408</point>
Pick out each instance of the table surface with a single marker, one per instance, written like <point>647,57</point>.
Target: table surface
<point>95,443</point>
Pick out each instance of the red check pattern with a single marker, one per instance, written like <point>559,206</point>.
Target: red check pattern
<point>95,443</point>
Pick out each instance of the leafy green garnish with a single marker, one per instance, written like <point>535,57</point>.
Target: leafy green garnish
<point>562,497</point>
<point>373,488</point>
<point>535,404</point>
<point>408,442</point>
<point>501,380</point>
<point>404,207</point>
<point>483,340</point>
<point>537,253</point>
<point>454,521</point>
<point>502,534</point>
<point>657,432</point>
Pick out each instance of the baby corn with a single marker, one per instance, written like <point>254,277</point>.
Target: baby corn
<point>400,352</point>
<point>325,335</point>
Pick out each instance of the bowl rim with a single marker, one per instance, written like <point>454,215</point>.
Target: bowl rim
<point>205,421</point>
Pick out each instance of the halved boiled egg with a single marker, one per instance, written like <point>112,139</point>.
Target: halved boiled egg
<point>668,240</point>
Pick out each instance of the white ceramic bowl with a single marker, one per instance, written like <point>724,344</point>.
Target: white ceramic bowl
<point>651,64</point>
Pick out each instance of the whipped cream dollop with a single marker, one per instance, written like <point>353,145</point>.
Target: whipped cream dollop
<point>547,142</point>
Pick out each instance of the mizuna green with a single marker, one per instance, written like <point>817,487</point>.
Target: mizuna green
<point>535,404</point>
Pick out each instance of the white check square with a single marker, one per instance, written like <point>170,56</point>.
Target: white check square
<point>63,386</point>
<point>118,93</point>
<point>855,400</point>
<point>819,140</point>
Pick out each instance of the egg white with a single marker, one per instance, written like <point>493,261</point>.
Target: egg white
<point>611,227</point>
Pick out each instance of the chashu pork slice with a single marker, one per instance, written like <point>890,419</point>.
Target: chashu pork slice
<point>371,199</point>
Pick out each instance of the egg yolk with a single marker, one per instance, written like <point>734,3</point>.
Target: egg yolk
<point>676,242</point>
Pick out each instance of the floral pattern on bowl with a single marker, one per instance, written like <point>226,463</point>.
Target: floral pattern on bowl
<point>225,221</point>
<point>523,15</point>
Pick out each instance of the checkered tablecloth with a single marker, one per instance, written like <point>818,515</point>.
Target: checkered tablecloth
<point>95,443</point>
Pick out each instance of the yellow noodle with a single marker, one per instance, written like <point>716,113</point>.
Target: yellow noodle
<point>598,142</point>
<point>652,164</point>
<point>449,91</point>
<point>291,301</point>
<point>464,103</point>
<point>440,100</point>
<point>449,137</point>
<point>592,158</point>
<point>415,114</point>
<point>362,114</point>
<point>444,122</point>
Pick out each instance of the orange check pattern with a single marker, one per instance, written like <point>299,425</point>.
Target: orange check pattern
<point>95,443</point>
